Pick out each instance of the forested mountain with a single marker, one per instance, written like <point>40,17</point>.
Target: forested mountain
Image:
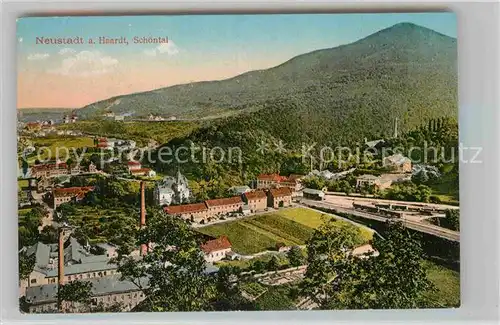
<point>405,71</point>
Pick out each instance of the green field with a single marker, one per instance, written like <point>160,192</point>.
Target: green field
<point>22,183</point>
<point>276,298</point>
<point>60,143</point>
<point>139,131</point>
<point>100,225</point>
<point>289,226</point>
<point>447,285</point>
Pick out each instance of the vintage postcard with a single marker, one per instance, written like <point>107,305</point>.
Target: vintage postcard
<point>238,162</point>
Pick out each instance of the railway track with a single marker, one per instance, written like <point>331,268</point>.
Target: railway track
<point>418,226</point>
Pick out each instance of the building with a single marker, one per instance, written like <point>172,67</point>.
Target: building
<point>221,207</point>
<point>104,143</point>
<point>106,292</point>
<point>172,190</point>
<point>63,195</point>
<point>195,212</point>
<point>133,165</point>
<point>79,264</point>
<point>312,194</point>
<point>49,170</point>
<point>110,250</point>
<point>44,184</point>
<point>267,181</point>
<point>239,190</point>
<point>373,143</point>
<point>143,172</point>
<point>216,249</point>
<point>256,200</point>
<point>364,251</point>
<point>279,197</point>
<point>33,126</point>
<point>398,163</point>
<point>378,182</point>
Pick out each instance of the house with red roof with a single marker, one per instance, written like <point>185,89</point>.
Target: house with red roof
<point>194,211</point>
<point>50,169</point>
<point>256,200</point>
<point>279,197</point>
<point>63,195</point>
<point>216,249</point>
<point>142,172</point>
<point>220,207</point>
<point>267,181</point>
<point>134,165</point>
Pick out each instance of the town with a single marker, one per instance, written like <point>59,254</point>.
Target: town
<point>238,176</point>
<point>51,187</point>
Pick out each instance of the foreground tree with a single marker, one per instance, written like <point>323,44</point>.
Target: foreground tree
<point>174,268</point>
<point>26,265</point>
<point>295,256</point>
<point>451,220</point>
<point>79,292</point>
<point>326,259</point>
<point>396,278</point>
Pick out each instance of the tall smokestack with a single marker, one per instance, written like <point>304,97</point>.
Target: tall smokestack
<point>143,216</point>
<point>60,267</point>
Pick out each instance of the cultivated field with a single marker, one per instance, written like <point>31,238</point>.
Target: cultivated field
<point>289,226</point>
<point>60,143</point>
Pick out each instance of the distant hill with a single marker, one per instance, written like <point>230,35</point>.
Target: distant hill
<point>405,71</point>
<point>42,113</point>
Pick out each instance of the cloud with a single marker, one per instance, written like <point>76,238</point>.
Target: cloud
<point>164,48</point>
<point>150,52</point>
<point>38,56</point>
<point>86,63</point>
<point>67,50</point>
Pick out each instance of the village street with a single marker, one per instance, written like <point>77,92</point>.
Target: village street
<point>48,219</point>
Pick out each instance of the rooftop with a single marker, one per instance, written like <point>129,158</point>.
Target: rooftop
<point>240,189</point>
<point>100,286</point>
<point>140,170</point>
<point>76,191</point>
<point>282,191</point>
<point>255,195</point>
<point>216,245</point>
<point>50,166</point>
<point>224,201</point>
<point>185,208</point>
<point>397,159</point>
<point>368,177</point>
<point>313,191</point>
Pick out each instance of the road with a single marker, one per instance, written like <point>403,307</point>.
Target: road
<point>49,219</point>
<point>415,225</point>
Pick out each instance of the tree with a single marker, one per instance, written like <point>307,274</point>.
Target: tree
<point>77,292</point>
<point>295,256</point>
<point>49,235</point>
<point>452,219</point>
<point>26,264</point>
<point>326,259</point>
<point>396,278</point>
<point>229,295</point>
<point>175,267</point>
<point>273,264</point>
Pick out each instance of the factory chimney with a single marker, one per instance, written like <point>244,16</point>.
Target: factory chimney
<point>143,216</point>
<point>60,266</point>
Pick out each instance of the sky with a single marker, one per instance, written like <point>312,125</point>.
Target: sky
<point>199,48</point>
